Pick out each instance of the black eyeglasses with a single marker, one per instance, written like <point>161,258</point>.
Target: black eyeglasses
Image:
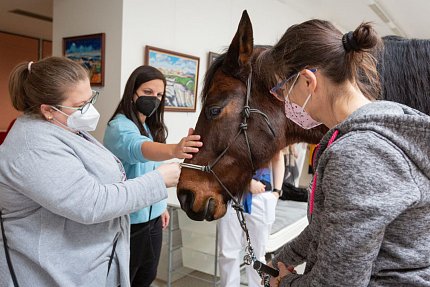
<point>84,108</point>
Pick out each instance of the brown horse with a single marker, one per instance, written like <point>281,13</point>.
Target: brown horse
<point>404,71</point>
<point>241,131</point>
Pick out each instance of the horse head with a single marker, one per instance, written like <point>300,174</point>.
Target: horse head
<point>242,126</point>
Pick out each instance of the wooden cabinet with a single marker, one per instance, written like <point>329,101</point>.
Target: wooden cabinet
<point>13,50</point>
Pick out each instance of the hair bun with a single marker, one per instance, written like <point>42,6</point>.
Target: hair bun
<point>363,38</point>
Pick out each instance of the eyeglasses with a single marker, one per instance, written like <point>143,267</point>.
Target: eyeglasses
<point>278,89</point>
<point>84,108</point>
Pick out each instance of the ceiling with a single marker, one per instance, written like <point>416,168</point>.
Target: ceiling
<point>410,17</point>
<point>25,25</point>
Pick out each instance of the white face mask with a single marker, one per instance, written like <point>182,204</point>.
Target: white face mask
<point>82,122</point>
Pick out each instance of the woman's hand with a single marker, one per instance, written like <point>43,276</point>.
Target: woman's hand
<point>283,271</point>
<point>187,145</point>
<point>170,173</point>
<point>256,187</point>
<point>165,218</point>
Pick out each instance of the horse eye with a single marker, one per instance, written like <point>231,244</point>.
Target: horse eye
<point>213,112</point>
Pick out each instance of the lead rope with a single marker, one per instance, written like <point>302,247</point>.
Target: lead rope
<point>263,270</point>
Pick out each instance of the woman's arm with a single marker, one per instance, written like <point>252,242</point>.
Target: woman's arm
<point>123,138</point>
<point>159,151</point>
<point>278,170</point>
<point>59,182</point>
<point>294,253</point>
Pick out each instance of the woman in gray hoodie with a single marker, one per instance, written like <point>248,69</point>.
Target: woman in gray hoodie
<point>369,205</point>
<point>64,198</point>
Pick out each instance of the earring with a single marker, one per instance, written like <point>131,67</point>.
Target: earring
<point>49,118</point>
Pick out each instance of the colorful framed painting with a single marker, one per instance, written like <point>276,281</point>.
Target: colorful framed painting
<point>182,75</point>
<point>88,50</point>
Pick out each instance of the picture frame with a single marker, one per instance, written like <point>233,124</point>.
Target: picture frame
<point>212,57</point>
<point>182,76</point>
<point>88,50</point>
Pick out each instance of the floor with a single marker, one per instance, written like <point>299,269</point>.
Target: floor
<point>192,281</point>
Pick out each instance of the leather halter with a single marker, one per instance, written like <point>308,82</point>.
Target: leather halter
<point>243,126</point>
<point>262,269</point>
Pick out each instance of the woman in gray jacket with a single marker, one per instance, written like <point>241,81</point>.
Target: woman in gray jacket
<point>369,205</point>
<point>64,198</point>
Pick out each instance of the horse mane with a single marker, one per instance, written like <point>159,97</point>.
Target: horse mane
<point>260,65</point>
<point>405,72</point>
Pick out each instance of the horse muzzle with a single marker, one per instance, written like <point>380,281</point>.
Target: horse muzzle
<point>206,208</point>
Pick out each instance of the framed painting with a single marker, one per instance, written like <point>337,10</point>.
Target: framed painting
<point>88,50</point>
<point>182,75</point>
<point>211,58</point>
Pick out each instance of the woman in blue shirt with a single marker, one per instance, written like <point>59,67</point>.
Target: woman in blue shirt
<point>136,134</point>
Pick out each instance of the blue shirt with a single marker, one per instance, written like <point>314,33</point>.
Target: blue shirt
<point>262,174</point>
<point>122,137</point>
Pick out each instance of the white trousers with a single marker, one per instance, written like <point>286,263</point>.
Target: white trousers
<point>231,239</point>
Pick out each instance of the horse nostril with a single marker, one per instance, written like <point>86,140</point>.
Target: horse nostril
<point>186,198</point>
<point>210,210</point>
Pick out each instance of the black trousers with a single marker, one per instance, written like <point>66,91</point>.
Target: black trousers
<point>145,248</point>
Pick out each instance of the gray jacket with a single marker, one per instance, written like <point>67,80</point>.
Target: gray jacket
<point>64,202</point>
<point>370,224</point>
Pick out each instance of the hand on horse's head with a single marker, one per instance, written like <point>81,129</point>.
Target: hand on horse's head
<point>187,145</point>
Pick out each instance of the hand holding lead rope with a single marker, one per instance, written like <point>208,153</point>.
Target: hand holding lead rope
<point>260,266</point>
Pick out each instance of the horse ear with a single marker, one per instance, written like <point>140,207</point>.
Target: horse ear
<point>241,47</point>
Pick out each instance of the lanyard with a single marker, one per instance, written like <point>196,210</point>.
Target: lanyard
<point>6,251</point>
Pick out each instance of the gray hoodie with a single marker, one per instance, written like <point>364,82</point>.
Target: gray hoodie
<point>64,202</point>
<point>370,224</point>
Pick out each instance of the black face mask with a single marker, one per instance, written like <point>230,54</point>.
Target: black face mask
<point>147,105</point>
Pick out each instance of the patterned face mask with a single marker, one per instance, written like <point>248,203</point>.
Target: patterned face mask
<point>297,113</point>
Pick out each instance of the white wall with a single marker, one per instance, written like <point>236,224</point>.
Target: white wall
<point>195,27</point>
<point>83,17</point>
<point>192,27</point>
